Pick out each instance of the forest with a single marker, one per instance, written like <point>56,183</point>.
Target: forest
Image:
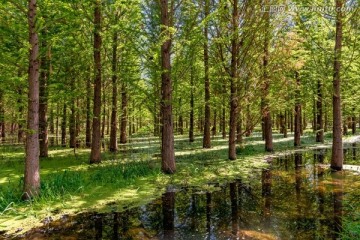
<point>179,119</point>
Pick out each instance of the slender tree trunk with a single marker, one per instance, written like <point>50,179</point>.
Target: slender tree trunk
<point>20,117</point>
<point>283,125</point>
<point>319,114</point>
<point>265,105</point>
<point>325,119</point>
<point>337,156</point>
<point>213,129</point>
<point>167,140</point>
<point>353,123</point>
<point>43,97</point>
<point>103,121</point>
<point>95,156</point>
<point>191,128</point>
<point>239,138</point>
<point>72,123</point>
<point>2,116</point>
<point>63,127</point>
<point>233,83</point>
<point>32,173</point>
<point>113,138</point>
<point>124,114</point>
<point>206,139</point>
<point>51,122</point>
<point>297,116</point>
<point>180,121</point>
<point>88,114</point>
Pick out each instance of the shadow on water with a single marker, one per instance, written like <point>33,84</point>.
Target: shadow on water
<point>295,198</point>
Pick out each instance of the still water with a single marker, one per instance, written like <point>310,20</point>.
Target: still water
<point>297,197</point>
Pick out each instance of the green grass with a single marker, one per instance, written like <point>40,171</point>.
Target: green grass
<point>129,178</point>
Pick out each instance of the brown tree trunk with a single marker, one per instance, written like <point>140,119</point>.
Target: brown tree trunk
<point>124,114</point>
<point>319,114</point>
<point>51,122</point>
<point>191,127</point>
<point>297,116</point>
<point>206,139</point>
<point>43,97</point>
<point>213,129</point>
<point>233,83</point>
<point>72,122</point>
<point>32,173</point>
<point>95,156</point>
<point>113,139</point>
<point>63,127</point>
<point>167,140</point>
<point>88,114</point>
<point>337,156</point>
<point>353,123</point>
<point>239,139</point>
<point>103,121</point>
<point>180,120</point>
<point>265,105</point>
<point>2,116</point>
<point>283,125</point>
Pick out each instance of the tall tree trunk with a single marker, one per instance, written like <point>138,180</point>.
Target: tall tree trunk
<point>180,121</point>
<point>88,114</point>
<point>20,116</point>
<point>265,105</point>
<point>233,83</point>
<point>2,116</point>
<point>337,156</point>
<point>124,114</point>
<point>191,127</point>
<point>319,114</point>
<point>239,138</point>
<point>43,97</point>
<point>32,173</point>
<point>95,156</point>
<point>167,147</point>
<point>72,123</point>
<point>353,123</point>
<point>63,127</point>
<point>206,139</point>
<point>51,122</point>
<point>213,129</point>
<point>297,116</point>
<point>113,138</point>
<point>103,121</point>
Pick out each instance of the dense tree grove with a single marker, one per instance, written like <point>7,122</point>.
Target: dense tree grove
<point>108,69</point>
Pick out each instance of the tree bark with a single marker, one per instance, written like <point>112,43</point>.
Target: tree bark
<point>233,83</point>
<point>265,105</point>
<point>319,114</point>
<point>113,139</point>
<point>2,116</point>
<point>207,136</point>
<point>167,148</point>
<point>32,173</point>
<point>63,127</point>
<point>124,114</point>
<point>88,114</point>
<point>297,115</point>
<point>191,127</point>
<point>95,156</point>
<point>337,156</point>
<point>72,122</point>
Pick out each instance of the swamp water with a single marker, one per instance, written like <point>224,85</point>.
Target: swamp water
<point>297,197</point>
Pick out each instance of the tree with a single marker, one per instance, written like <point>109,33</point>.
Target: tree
<point>337,156</point>
<point>167,139</point>
<point>95,156</point>
<point>32,174</point>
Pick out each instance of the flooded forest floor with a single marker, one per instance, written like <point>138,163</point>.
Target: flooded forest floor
<point>280,195</point>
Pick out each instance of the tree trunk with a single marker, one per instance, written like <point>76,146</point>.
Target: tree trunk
<point>319,114</point>
<point>63,127</point>
<point>43,97</point>
<point>283,125</point>
<point>213,129</point>
<point>233,83</point>
<point>113,124</point>
<point>95,156</point>
<point>88,114</point>
<point>265,105</point>
<point>206,139</point>
<point>239,139</point>
<point>2,116</point>
<point>32,173</point>
<point>180,120</point>
<point>20,116</point>
<point>191,127</point>
<point>72,122</point>
<point>337,156</point>
<point>167,140</point>
<point>353,123</point>
<point>124,114</point>
<point>103,121</point>
<point>297,116</point>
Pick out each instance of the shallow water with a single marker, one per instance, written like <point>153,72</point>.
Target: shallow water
<point>297,197</point>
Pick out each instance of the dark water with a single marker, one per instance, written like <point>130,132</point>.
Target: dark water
<point>295,198</point>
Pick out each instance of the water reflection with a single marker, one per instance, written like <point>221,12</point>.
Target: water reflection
<point>296,198</point>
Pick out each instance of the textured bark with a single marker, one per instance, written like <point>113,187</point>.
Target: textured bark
<point>43,97</point>
<point>32,173</point>
<point>319,114</point>
<point>265,108</point>
<point>167,138</point>
<point>88,114</point>
<point>206,138</point>
<point>233,83</point>
<point>113,139</point>
<point>95,155</point>
<point>337,156</point>
<point>63,127</point>
<point>191,127</point>
<point>124,114</point>
<point>297,114</point>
